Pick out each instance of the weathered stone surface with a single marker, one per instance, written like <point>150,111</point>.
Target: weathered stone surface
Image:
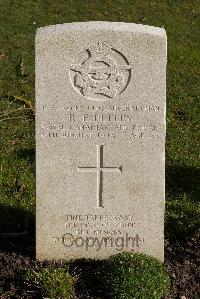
<point>100,139</point>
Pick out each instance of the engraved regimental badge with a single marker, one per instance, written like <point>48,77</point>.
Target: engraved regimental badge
<point>100,72</point>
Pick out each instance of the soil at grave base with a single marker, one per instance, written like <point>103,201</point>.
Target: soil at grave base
<point>182,264</point>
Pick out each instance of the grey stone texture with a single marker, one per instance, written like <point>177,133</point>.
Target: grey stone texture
<point>100,140</point>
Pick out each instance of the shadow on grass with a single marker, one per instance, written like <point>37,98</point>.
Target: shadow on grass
<point>182,218</point>
<point>27,154</point>
<point>88,285</point>
<point>183,179</point>
<point>17,230</point>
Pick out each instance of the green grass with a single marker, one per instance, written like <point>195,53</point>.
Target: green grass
<point>134,275</point>
<point>18,22</point>
<point>55,281</point>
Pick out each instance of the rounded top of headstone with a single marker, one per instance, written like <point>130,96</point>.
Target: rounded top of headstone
<point>101,25</point>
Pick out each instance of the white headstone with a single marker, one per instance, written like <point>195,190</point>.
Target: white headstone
<point>100,139</point>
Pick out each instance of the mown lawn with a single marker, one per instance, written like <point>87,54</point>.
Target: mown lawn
<point>18,22</point>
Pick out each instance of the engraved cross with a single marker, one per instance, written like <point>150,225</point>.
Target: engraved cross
<point>99,169</point>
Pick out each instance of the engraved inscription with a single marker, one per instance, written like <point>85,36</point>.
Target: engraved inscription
<point>99,169</point>
<point>102,74</point>
<point>102,122</point>
<point>100,231</point>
